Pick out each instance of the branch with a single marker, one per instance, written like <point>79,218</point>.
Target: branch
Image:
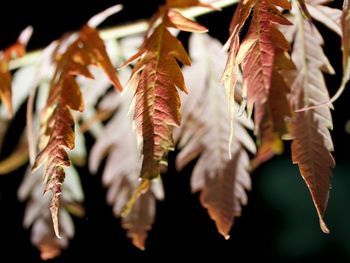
<point>125,30</point>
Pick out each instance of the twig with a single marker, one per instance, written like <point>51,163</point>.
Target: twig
<point>126,30</point>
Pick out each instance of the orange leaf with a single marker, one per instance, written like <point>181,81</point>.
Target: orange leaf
<point>14,51</point>
<point>157,102</point>
<point>156,77</point>
<point>176,20</point>
<point>5,86</point>
<point>56,119</point>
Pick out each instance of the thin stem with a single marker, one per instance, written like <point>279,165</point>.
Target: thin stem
<point>126,30</point>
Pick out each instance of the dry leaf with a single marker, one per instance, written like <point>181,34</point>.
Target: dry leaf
<point>312,144</point>
<point>56,119</point>
<point>156,77</point>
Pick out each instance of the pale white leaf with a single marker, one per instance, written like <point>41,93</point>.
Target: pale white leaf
<point>205,132</point>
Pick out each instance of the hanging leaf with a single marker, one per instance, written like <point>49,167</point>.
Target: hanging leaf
<point>204,133</point>
<point>312,144</point>
<point>260,49</point>
<point>123,166</point>
<point>277,111</point>
<point>156,77</point>
<point>56,119</point>
<point>263,38</point>
<point>230,75</point>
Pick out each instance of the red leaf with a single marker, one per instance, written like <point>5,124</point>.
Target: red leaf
<point>156,77</point>
<point>312,144</point>
<point>156,100</point>
<point>230,75</point>
<point>256,54</point>
<point>56,119</point>
<point>258,60</point>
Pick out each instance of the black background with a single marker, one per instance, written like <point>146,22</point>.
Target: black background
<point>279,224</point>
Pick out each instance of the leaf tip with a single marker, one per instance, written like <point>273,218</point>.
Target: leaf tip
<point>96,20</point>
<point>25,35</point>
<point>323,226</point>
<point>54,206</point>
<point>139,246</point>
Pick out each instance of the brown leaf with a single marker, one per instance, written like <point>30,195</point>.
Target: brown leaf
<point>312,144</point>
<point>56,119</point>
<point>277,111</point>
<point>177,20</point>
<point>156,77</point>
<point>14,51</point>
<point>204,133</point>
